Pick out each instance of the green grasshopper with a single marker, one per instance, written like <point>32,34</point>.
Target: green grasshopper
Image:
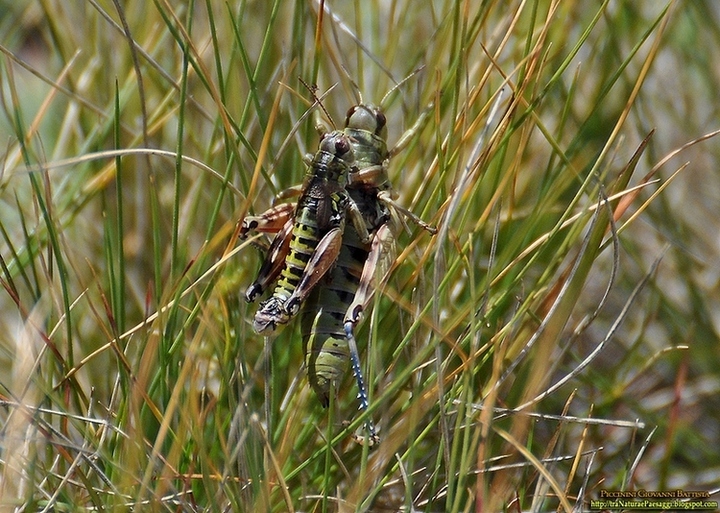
<point>307,244</point>
<point>327,346</point>
<point>332,311</point>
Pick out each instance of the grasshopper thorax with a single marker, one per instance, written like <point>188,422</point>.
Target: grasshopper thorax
<point>365,124</point>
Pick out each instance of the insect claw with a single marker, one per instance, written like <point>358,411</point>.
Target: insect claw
<point>291,306</point>
<point>247,225</point>
<point>252,292</point>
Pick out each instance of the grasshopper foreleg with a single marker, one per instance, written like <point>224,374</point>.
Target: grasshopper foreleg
<point>387,199</point>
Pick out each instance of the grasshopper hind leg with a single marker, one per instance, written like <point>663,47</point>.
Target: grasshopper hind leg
<point>381,239</point>
<point>372,436</point>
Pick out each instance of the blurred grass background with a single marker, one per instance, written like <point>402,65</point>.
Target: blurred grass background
<point>129,373</point>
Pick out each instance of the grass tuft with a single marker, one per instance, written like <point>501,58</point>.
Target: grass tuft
<point>557,336</point>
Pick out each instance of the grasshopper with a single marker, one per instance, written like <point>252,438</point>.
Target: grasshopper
<point>323,316</point>
<point>307,244</point>
<point>332,309</point>
<point>327,347</point>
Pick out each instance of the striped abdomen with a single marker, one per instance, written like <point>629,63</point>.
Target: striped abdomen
<point>305,237</point>
<point>322,317</point>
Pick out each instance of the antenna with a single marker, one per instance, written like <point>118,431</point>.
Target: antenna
<point>313,92</point>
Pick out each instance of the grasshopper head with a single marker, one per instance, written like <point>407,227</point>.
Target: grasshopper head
<point>367,117</point>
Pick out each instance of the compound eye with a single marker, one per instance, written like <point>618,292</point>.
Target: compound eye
<point>380,120</point>
<point>349,114</point>
<point>329,142</point>
<point>342,146</point>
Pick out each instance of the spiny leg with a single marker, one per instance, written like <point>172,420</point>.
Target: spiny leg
<point>371,175</point>
<point>273,219</point>
<point>382,238</point>
<point>362,396</point>
<point>358,221</point>
<point>273,263</point>
<point>386,198</point>
<point>295,190</point>
<point>381,241</point>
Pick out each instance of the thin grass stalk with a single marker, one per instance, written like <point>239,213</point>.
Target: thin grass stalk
<point>118,286</point>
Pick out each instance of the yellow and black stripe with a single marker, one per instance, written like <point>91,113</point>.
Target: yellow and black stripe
<point>321,208</point>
